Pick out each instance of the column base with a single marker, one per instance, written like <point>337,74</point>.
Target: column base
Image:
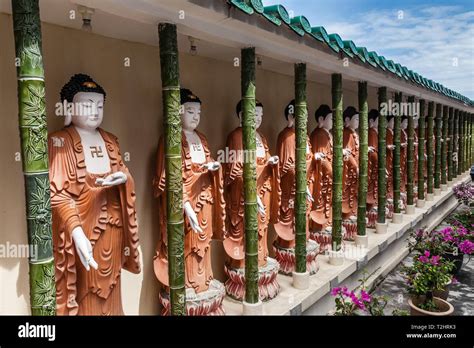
<point>450,183</point>
<point>429,197</point>
<point>381,228</point>
<point>437,191</point>
<point>420,203</point>
<point>301,280</point>
<point>362,241</point>
<point>252,308</point>
<point>444,187</point>
<point>397,218</point>
<point>410,209</point>
<point>336,258</point>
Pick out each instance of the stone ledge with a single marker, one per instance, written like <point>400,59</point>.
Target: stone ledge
<point>292,301</point>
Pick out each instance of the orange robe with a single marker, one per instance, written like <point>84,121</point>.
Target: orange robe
<point>268,189</point>
<point>372,182</point>
<point>107,216</point>
<point>286,147</point>
<point>321,214</point>
<point>389,163</point>
<point>350,174</point>
<point>204,190</point>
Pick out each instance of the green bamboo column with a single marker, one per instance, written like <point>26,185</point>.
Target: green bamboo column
<point>466,142</point>
<point>301,129</point>
<point>174,181</point>
<point>250,174</point>
<point>337,161</point>
<point>461,144</point>
<point>382,152</point>
<point>469,147</point>
<point>363,158</point>
<point>396,156</point>
<point>437,171</point>
<point>430,148</point>
<point>450,144</point>
<point>410,155</point>
<point>421,151</point>
<point>444,147</point>
<point>34,154</point>
<point>455,143</point>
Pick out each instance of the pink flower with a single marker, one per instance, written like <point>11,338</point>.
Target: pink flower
<point>466,247</point>
<point>425,258</point>
<point>435,260</point>
<point>335,291</point>
<point>365,296</point>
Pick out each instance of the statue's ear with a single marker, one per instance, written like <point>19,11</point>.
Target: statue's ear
<point>67,116</point>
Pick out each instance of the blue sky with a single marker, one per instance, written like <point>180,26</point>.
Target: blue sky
<point>433,38</point>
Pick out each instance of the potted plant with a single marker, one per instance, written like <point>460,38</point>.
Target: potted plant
<point>464,193</point>
<point>458,242</point>
<point>428,274</point>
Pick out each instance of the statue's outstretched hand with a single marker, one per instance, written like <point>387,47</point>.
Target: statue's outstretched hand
<point>273,160</point>
<point>212,166</point>
<point>83,248</point>
<point>192,217</point>
<point>113,179</point>
<point>318,156</point>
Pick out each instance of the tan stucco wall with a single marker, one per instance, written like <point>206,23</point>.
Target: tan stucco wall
<point>133,112</point>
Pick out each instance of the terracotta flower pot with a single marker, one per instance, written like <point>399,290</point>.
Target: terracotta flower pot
<point>445,308</point>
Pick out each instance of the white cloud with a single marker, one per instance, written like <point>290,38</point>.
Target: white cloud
<point>428,40</point>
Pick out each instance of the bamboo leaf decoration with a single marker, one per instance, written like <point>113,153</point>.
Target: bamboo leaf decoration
<point>450,144</point>
<point>429,148</point>
<point>410,154</point>
<point>382,132</point>
<point>363,158</point>
<point>421,152</point>
<point>174,181</point>
<point>444,147</point>
<point>396,155</point>
<point>438,155</point>
<point>301,119</point>
<point>337,161</point>
<point>34,146</point>
<point>250,175</point>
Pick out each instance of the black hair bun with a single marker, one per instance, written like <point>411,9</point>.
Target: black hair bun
<point>80,83</point>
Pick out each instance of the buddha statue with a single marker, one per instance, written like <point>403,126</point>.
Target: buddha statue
<point>284,245</point>
<point>350,171</point>
<point>95,231</point>
<point>372,168</point>
<point>268,200</point>
<point>322,147</point>
<point>204,210</point>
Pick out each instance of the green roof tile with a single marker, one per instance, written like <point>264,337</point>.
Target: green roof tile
<point>277,14</point>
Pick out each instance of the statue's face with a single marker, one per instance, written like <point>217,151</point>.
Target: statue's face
<point>390,123</point>
<point>374,123</point>
<point>258,116</point>
<point>354,122</point>
<point>404,124</point>
<point>190,116</point>
<point>328,121</point>
<point>88,110</point>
